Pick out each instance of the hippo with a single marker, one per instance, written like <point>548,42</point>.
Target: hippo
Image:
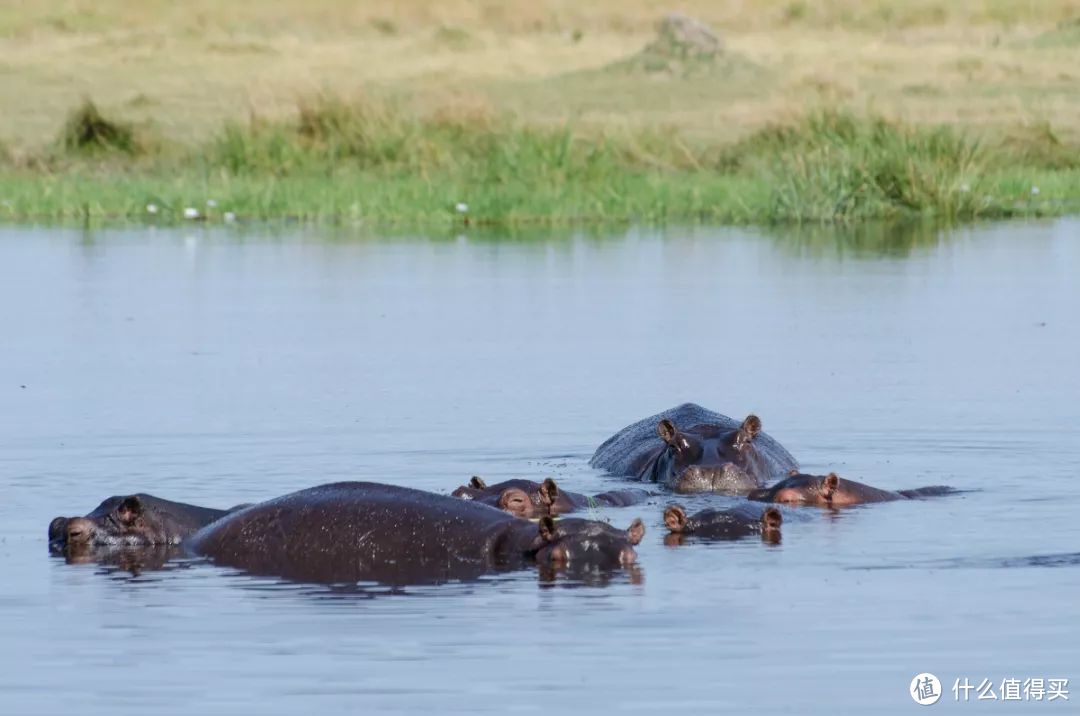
<point>831,491</point>
<point>690,449</point>
<point>528,499</point>
<point>349,532</point>
<point>734,523</point>
<point>130,521</point>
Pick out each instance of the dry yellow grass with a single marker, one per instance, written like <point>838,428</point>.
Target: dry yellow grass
<point>184,68</point>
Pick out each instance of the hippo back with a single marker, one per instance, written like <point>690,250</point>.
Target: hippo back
<point>357,531</point>
<point>623,451</point>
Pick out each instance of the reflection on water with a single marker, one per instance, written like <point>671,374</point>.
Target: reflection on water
<point>134,560</point>
<point>861,240</point>
<point>220,368</point>
<point>864,240</point>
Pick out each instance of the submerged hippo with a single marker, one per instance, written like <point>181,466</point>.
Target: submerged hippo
<point>361,531</point>
<point>691,449</point>
<point>831,491</point>
<point>528,499</point>
<point>130,521</point>
<point>734,523</point>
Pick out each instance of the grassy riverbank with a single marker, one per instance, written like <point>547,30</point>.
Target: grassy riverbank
<point>372,163</point>
<point>537,113</point>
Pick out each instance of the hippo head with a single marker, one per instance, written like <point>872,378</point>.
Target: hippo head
<point>520,498</point>
<point>534,503</point>
<point>820,490</point>
<point>117,522</point>
<point>825,491</point>
<point>679,524</point>
<point>576,543</point>
<point>708,458</point>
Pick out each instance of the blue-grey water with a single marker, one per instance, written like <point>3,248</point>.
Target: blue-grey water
<point>221,367</point>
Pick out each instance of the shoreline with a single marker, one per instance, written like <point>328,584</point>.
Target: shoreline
<point>375,164</point>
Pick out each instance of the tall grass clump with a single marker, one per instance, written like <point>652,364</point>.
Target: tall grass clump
<point>835,166</point>
<point>335,137</point>
<point>87,130</point>
<point>331,135</point>
<point>374,162</point>
<point>503,169</point>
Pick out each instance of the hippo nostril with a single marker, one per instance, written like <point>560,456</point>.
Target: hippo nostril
<point>57,529</point>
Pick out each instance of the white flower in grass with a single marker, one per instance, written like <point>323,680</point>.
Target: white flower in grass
<point>1034,191</point>
<point>965,188</point>
<point>229,217</point>
<point>461,207</point>
<point>191,213</point>
<point>151,208</point>
<point>211,203</point>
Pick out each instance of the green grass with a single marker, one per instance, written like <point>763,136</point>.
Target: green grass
<point>376,164</point>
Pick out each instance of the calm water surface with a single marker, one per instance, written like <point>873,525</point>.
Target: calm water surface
<point>219,368</point>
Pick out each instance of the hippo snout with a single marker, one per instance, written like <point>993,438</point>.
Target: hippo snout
<point>627,556</point>
<point>727,478</point>
<point>58,530</point>
<point>79,530</point>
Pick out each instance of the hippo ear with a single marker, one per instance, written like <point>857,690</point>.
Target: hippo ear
<point>771,519</point>
<point>793,472</point>
<point>666,430</point>
<point>548,533</point>
<point>636,531</point>
<point>829,485</point>
<point>130,509</point>
<point>750,428</point>
<point>477,483</point>
<point>675,518</point>
<point>549,492</point>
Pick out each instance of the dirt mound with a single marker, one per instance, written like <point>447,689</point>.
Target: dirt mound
<point>683,47</point>
<point>683,38</point>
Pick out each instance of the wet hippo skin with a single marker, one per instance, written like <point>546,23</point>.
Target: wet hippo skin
<point>349,532</point>
<point>689,449</point>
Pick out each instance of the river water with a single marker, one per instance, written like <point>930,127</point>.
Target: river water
<point>220,367</point>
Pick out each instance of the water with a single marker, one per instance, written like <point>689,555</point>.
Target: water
<point>219,368</point>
